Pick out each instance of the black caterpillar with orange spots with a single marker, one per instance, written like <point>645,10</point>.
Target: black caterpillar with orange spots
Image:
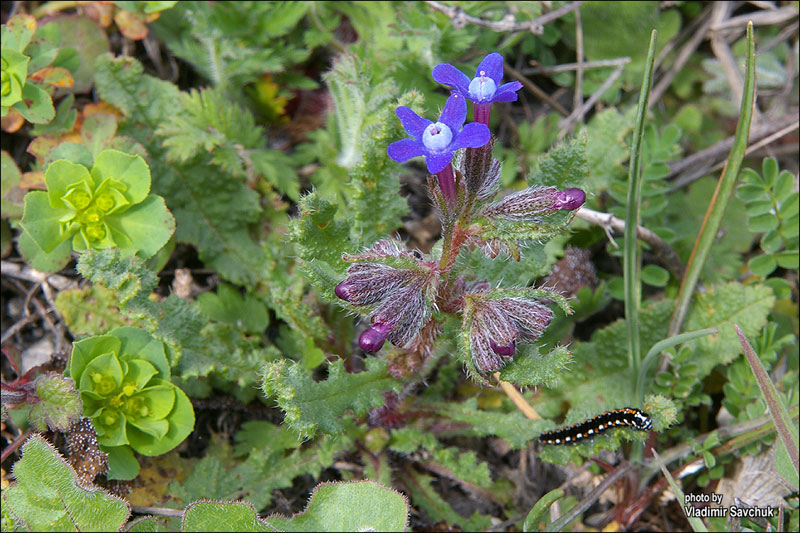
<point>625,417</point>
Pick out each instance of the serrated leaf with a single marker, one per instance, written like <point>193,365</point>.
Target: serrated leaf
<point>564,165</point>
<point>720,308</point>
<point>529,368</point>
<point>120,82</point>
<point>60,404</point>
<point>517,430</point>
<point>318,234</point>
<point>266,469</point>
<point>47,495</point>
<point>311,405</point>
<point>354,506</point>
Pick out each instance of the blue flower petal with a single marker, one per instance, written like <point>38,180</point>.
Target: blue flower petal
<point>455,112</point>
<point>447,74</point>
<point>413,124</point>
<point>507,92</point>
<point>405,149</point>
<point>493,66</point>
<point>437,162</point>
<point>474,135</point>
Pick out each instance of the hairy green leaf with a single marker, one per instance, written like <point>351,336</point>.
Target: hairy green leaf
<point>47,495</point>
<point>354,506</point>
<point>311,405</point>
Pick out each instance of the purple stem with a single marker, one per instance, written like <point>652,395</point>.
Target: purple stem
<point>482,112</point>
<point>447,183</point>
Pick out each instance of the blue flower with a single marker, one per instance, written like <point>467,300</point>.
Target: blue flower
<point>485,87</point>
<point>438,140</point>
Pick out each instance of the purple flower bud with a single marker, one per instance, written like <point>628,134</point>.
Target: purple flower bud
<point>496,325</point>
<point>369,283</point>
<point>372,338</point>
<point>343,291</point>
<point>507,350</point>
<point>569,199</point>
<point>533,202</point>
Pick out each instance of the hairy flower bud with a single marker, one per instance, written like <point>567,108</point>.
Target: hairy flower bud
<point>399,297</point>
<point>495,326</point>
<point>533,202</point>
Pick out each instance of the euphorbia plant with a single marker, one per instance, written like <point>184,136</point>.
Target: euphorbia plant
<point>405,294</point>
<point>124,381</point>
<point>30,71</point>
<point>109,207</point>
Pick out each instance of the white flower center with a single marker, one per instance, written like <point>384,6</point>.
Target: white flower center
<point>437,137</point>
<point>482,88</point>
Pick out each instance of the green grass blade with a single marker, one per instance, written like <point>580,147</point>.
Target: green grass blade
<point>716,208</point>
<point>696,523</point>
<point>778,412</point>
<point>632,259</point>
<point>660,347</point>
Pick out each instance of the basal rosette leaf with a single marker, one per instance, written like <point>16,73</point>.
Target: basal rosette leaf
<point>48,496</point>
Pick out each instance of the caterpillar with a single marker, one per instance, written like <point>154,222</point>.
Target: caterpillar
<point>625,417</point>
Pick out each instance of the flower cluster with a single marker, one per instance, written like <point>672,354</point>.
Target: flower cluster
<point>398,297</point>
<point>496,324</point>
<point>124,381</point>
<point>399,291</point>
<point>109,206</point>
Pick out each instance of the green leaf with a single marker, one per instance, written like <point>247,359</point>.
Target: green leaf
<point>227,305</point>
<point>15,74</point>
<point>266,468</point>
<point>41,222</point>
<point>517,430</point>
<point>542,505</point>
<point>311,405</point>
<point>148,225</point>
<point>229,516</point>
<point>529,368</point>
<point>47,495</point>
<point>762,265</point>
<point>424,496</point>
<point>120,82</point>
<point>129,169</point>
<point>10,193</point>
<point>655,275</point>
<point>122,464</point>
<point>564,165</point>
<point>41,260</point>
<point>18,31</point>
<point>354,506</point>
<point>36,105</point>
<point>761,223</point>
<point>720,308</point>
<point>59,403</point>
<point>318,235</point>
<point>81,41</point>
<point>96,132</point>
<point>92,310</point>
